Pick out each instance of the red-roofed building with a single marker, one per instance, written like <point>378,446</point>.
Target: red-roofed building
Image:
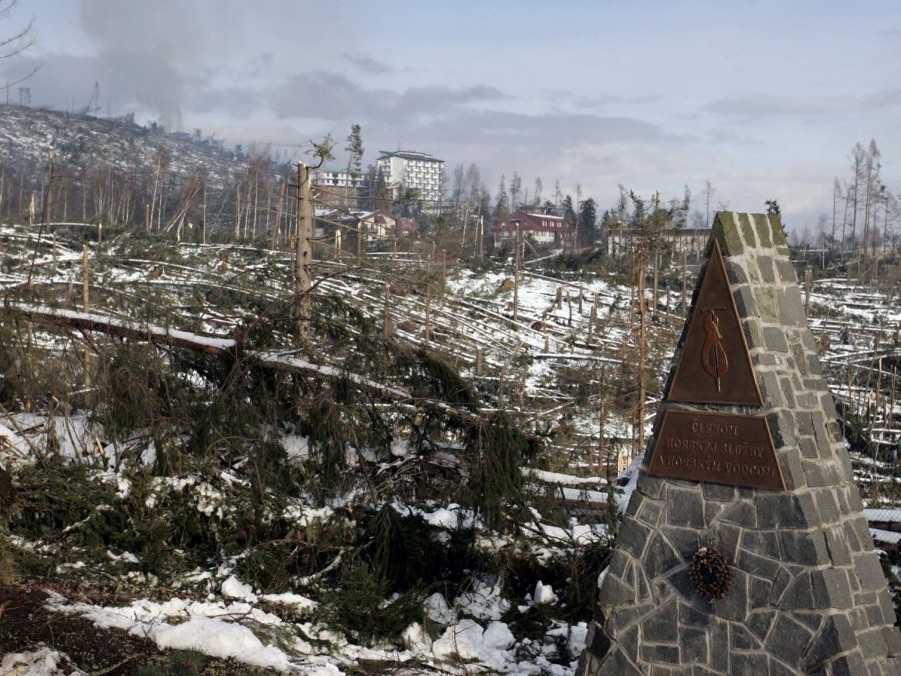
<point>541,228</point>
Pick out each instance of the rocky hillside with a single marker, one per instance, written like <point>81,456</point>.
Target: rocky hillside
<point>77,141</point>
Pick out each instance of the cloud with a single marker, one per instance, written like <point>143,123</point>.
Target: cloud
<point>769,106</point>
<point>886,98</point>
<point>329,96</point>
<point>766,106</point>
<point>368,64</point>
<point>333,96</point>
<point>594,102</point>
<point>443,119</point>
<point>542,132</point>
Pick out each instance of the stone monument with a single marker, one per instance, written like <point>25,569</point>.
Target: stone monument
<point>744,549</point>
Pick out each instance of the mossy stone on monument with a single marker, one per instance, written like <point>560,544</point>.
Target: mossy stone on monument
<point>725,229</point>
<point>747,230</point>
<point>764,232</point>
<point>778,231</point>
<point>808,594</point>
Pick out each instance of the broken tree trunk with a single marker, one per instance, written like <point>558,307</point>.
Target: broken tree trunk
<point>303,257</point>
<point>160,335</point>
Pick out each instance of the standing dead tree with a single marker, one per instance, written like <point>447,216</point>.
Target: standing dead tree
<point>303,254</point>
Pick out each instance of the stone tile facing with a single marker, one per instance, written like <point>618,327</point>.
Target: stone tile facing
<point>809,596</point>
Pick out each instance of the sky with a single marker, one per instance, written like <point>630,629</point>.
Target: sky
<point>763,99</point>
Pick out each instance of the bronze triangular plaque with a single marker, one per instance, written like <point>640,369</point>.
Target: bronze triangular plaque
<point>714,365</point>
<point>716,447</point>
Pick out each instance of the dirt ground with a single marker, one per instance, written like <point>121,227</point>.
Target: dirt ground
<point>26,624</point>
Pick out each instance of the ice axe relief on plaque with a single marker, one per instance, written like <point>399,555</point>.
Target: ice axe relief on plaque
<point>715,359</point>
<point>714,365</point>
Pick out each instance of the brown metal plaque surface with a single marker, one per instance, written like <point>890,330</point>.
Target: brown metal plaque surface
<point>714,366</point>
<point>719,448</point>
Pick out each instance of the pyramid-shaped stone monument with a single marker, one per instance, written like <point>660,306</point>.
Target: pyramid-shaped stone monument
<point>744,549</point>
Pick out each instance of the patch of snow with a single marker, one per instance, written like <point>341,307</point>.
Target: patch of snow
<point>442,518</point>
<point>297,447</point>
<point>544,594</point>
<point>629,488</point>
<point>304,516</point>
<point>484,602</point>
<point>437,610</point>
<point>463,640</point>
<point>416,639</point>
<point>498,636</point>
<point>289,599</point>
<point>40,662</point>
<point>220,639</point>
<point>63,567</point>
<point>126,557</point>
<point>232,588</point>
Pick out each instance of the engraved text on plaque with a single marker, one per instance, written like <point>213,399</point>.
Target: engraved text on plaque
<point>718,448</point>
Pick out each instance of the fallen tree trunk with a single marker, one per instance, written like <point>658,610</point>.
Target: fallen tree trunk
<point>127,328</point>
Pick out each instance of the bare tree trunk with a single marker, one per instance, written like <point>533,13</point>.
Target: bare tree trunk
<point>891,424</point>
<point>276,231</point>
<point>516,265</point>
<point>428,313</point>
<point>642,352</point>
<point>156,179</point>
<point>86,306</point>
<point>238,212</point>
<point>808,287</point>
<point>656,280</point>
<point>593,317</point>
<point>159,213</point>
<point>268,205</point>
<point>203,216</point>
<point>256,199</point>
<point>303,273</point>
<point>387,326</point>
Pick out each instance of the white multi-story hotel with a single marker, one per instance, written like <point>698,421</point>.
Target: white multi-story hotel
<point>406,169</point>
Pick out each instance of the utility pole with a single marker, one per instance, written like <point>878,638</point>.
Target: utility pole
<point>303,256</point>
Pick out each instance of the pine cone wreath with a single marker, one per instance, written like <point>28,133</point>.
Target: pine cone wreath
<point>710,573</point>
